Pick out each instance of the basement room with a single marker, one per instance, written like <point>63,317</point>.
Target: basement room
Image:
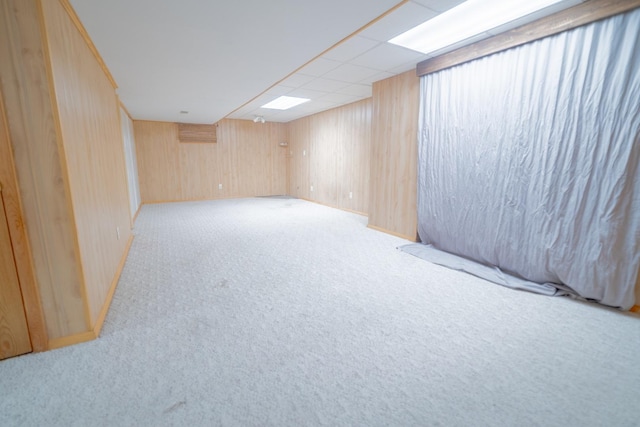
<point>340,213</point>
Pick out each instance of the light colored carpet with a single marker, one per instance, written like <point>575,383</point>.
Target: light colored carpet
<point>283,312</point>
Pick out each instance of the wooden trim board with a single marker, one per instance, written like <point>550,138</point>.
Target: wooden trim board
<point>97,328</point>
<point>393,233</point>
<point>71,340</point>
<point>582,14</point>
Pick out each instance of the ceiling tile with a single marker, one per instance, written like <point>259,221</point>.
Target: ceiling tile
<point>350,49</point>
<point>319,67</point>
<point>325,85</point>
<point>407,66</point>
<point>246,110</point>
<point>439,5</point>
<point>400,20</point>
<point>296,80</point>
<point>351,73</point>
<point>381,75</point>
<point>279,90</point>
<point>307,93</point>
<point>534,16</point>
<point>386,56</point>
<point>340,98</point>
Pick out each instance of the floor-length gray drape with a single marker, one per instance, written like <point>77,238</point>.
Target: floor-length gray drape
<point>528,160</point>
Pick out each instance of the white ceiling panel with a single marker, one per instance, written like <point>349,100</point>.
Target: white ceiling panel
<point>533,16</point>
<point>230,50</point>
<point>439,5</point>
<point>319,67</point>
<point>279,90</point>
<point>351,48</point>
<point>226,59</point>
<point>339,98</point>
<point>307,93</point>
<point>325,85</point>
<point>360,90</point>
<point>400,20</point>
<point>296,80</point>
<point>351,73</point>
<point>386,56</point>
<point>381,75</point>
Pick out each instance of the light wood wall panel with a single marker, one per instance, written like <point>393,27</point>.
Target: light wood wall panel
<point>298,157</point>
<point>394,154</point>
<point>330,151</point>
<point>247,160</point>
<point>89,117</point>
<point>20,245</point>
<point>158,160</point>
<point>41,174</point>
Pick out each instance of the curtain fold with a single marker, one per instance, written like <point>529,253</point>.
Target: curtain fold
<point>528,160</point>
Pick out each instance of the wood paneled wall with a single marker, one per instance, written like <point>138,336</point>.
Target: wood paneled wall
<point>64,128</point>
<point>394,155</point>
<point>89,121</point>
<point>19,243</point>
<point>330,151</point>
<point>41,174</point>
<point>247,161</point>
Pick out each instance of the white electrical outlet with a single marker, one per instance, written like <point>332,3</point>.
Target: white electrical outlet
<point>219,186</point>
<point>312,188</point>
<point>118,232</point>
<point>304,153</point>
<point>351,194</point>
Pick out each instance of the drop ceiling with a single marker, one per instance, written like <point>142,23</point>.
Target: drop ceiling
<point>218,59</point>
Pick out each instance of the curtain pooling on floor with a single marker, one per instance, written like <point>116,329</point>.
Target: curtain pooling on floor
<point>528,160</point>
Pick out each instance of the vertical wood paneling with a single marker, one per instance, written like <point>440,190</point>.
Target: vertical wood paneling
<point>247,160</point>
<point>337,161</point>
<point>19,242</point>
<point>299,142</point>
<point>89,117</point>
<point>394,154</point>
<point>14,334</point>
<point>41,177</point>
<point>158,160</point>
<point>323,153</point>
<point>198,175</point>
<point>354,160</point>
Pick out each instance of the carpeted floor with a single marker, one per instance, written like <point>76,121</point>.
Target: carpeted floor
<point>281,312</point>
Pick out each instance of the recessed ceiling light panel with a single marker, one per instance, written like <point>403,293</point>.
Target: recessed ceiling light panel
<point>284,103</point>
<point>464,21</point>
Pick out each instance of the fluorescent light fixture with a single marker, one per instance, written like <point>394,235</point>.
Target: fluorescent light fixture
<point>464,21</point>
<point>284,103</point>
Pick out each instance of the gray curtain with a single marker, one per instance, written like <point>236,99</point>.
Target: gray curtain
<point>528,160</point>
